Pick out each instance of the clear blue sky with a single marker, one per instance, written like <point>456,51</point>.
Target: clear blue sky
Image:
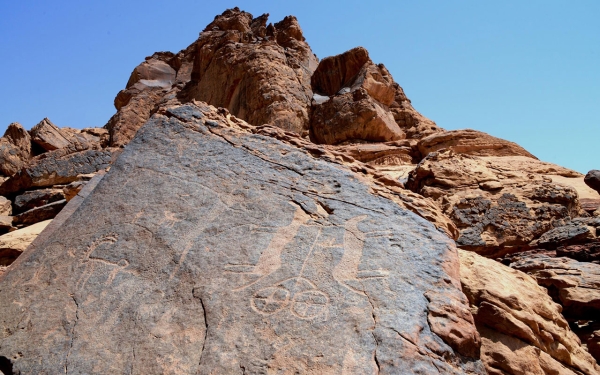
<point>527,71</point>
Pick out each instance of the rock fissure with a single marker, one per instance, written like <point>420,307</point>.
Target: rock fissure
<point>72,334</point>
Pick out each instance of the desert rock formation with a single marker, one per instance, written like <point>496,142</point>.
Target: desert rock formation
<point>249,208</point>
<point>242,248</point>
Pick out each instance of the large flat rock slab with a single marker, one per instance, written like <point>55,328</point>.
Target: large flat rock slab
<point>210,250</point>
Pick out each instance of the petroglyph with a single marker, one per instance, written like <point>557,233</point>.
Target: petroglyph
<point>91,260</point>
<point>270,259</point>
<point>301,295</point>
<point>346,271</point>
<point>304,299</point>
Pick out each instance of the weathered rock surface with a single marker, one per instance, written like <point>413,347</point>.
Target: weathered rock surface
<point>38,214</point>
<point>147,84</point>
<point>358,100</point>
<point>576,231</point>
<point>36,198</point>
<point>592,179</point>
<point>14,243</point>
<point>470,142</point>
<point>575,285</point>
<point>353,116</point>
<point>216,250</point>
<point>522,329</point>
<point>58,170</point>
<point>498,203</point>
<point>5,206</point>
<point>259,72</point>
<point>15,149</point>
<point>48,136</point>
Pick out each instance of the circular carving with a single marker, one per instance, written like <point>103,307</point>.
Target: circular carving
<point>309,304</point>
<point>270,300</point>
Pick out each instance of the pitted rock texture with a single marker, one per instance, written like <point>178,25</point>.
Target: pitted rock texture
<point>499,204</point>
<point>522,329</point>
<point>15,149</point>
<point>215,250</point>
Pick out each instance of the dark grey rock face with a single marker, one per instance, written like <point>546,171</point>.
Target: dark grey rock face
<point>58,169</point>
<point>208,250</point>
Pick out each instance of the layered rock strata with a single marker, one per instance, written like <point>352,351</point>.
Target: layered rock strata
<point>522,329</point>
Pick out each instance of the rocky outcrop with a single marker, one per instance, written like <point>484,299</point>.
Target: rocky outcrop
<point>575,285</point>
<point>353,116</point>
<point>41,213</point>
<point>356,100</point>
<point>259,72</point>
<point>470,142</point>
<point>14,243</point>
<point>500,204</point>
<point>522,329</point>
<point>148,83</point>
<point>37,198</point>
<point>15,149</point>
<point>227,236</point>
<point>592,179</point>
<point>54,170</point>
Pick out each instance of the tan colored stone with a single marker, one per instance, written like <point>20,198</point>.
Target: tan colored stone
<point>522,329</point>
<point>15,149</point>
<point>470,142</point>
<point>353,116</point>
<point>14,243</point>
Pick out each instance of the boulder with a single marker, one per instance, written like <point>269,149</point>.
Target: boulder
<point>15,149</point>
<point>522,329</point>
<point>353,116</point>
<point>6,223</point>
<point>470,142</point>
<point>58,169</point>
<point>5,206</point>
<point>212,248</point>
<point>575,285</point>
<point>592,179</point>
<point>356,100</point>
<point>147,84</point>
<point>576,231</point>
<point>72,189</point>
<point>36,198</point>
<point>499,204</point>
<point>48,136</point>
<point>37,214</point>
<point>14,243</point>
